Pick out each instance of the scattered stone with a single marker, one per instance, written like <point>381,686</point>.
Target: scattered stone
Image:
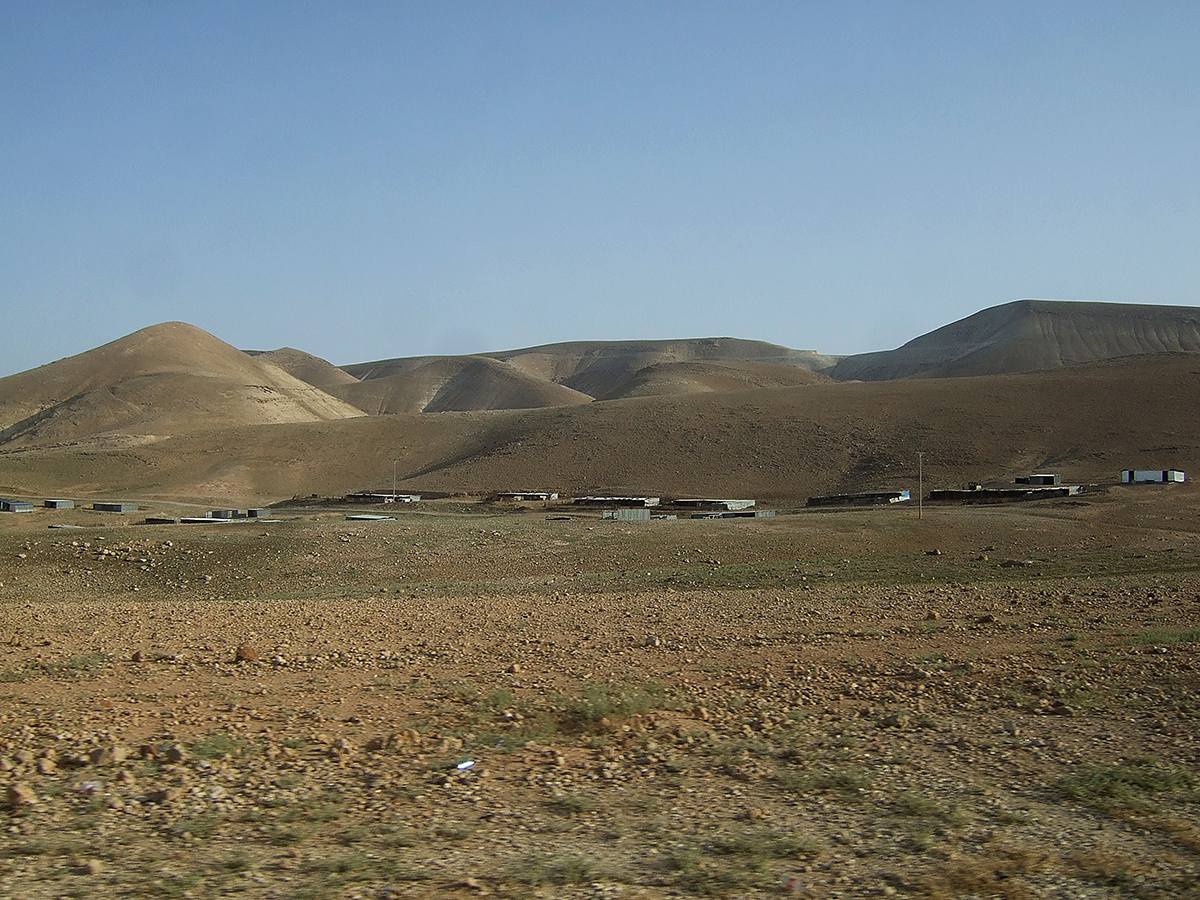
<point>246,653</point>
<point>20,796</point>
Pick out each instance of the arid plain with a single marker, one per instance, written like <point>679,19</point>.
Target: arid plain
<point>477,699</point>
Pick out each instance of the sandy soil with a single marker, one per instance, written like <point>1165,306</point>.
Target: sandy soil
<point>468,702</point>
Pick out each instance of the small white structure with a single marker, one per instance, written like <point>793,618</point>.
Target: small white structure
<point>704,503</point>
<point>1149,476</point>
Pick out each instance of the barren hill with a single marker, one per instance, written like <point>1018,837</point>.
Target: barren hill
<point>779,445</point>
<point>602,370</point>
<point>1029,335</point>
<point>166,379</point>
<point>453,384</point>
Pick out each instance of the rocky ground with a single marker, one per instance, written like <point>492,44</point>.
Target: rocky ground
<point>467,703</point>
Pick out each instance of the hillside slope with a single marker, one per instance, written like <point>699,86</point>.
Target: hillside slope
<point>166,379</point>
<point>570,373</point>
<point>1029,335</point>
<point>452,384</point>
<point>779,445</point>
<point>320,373</point>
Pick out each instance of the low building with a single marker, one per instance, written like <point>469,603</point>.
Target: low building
<point>527,496</point>
<point>618,501</point>
<point>16,506</point>
<point>642,514</point>
<point>59,504</point>
<point>1006,494</point>
<point>1152,476</point>
<point>863,498</point>
<point>1039,479</point>
<point>115,506</point>
<point>715,504</point>
<point>736,514</point>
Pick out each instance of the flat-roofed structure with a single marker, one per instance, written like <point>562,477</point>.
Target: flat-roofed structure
<point>1043,478</point>
<point>861,498</point>
<point>1006,494</point>
<point>1152,476</point>
<point>115,506</point>
<point>16,506</point>
<point>519,496</point>
<point>381,497</point>
<point>617,501</point>
<point>736,514</point>
<point>58,504</point>
<point>641,514</point>
<point>702,503</point>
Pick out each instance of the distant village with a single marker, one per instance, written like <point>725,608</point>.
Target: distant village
<point>627,507</point>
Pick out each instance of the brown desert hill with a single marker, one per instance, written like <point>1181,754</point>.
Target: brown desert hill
<point>598,369</point>
<point>453,384</point>
<point>320,373</point>
<point>1029,335</point>
<point>778,445</point>
<point>162,380</point>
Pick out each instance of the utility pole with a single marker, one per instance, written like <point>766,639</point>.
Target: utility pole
<point>920,482</point>
<point>393,481</point>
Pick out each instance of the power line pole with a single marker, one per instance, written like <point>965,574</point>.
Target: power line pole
<point>920,482</point>
<point>393,481</point>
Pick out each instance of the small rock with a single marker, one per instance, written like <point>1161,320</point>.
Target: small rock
<point>165,795</point>
<point>20,796</point>
<point>246,653</point>
<point>174,753</point>
<point>87,866</point>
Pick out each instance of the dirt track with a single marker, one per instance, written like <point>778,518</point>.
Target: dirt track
<point>981,703</point>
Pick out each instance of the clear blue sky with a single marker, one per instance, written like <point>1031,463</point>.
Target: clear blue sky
<point>364,180</point>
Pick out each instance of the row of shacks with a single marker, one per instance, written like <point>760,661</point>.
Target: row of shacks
<point>1040,486</point>
<point>124,506</point>
<point>7,505</point>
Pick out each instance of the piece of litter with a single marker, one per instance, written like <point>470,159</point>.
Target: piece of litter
<point>466,764</point>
